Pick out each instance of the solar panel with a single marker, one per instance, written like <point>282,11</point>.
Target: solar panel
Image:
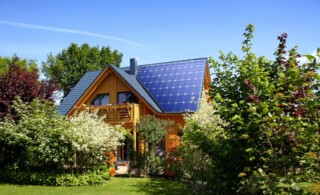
<point>175,86</point>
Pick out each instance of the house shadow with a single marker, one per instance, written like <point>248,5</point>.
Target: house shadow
<point>162,186</point>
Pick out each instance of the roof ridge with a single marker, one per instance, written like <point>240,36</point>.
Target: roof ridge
<point>194,59</point>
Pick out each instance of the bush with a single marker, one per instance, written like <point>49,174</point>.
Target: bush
<point>94,177</point>
<point>38,141</point>
<point>92,138</point>
<point>272,110</point>
<point>45,148</point>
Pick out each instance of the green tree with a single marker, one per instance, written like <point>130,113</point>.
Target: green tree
<point>151,130</point>
<point>6,62</point>
<point>272,111</point>
<point>68,67</point>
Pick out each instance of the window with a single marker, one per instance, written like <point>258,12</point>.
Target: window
<point>101,99</point>
<point>126,97</point>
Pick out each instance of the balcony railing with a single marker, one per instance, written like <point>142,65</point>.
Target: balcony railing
<point>119,113</point>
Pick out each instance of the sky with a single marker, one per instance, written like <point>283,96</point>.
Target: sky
<point>156,31</point>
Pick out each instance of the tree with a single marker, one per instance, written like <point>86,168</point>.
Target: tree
<point>68,67</point>
<point>272,111</point>
<point>19,81</point>
<point>151,130</point>
<point>6,62</point>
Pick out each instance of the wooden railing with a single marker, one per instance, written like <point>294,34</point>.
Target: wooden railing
<point>119,113</point>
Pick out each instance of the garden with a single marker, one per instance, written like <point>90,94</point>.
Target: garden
<point>256,132</point>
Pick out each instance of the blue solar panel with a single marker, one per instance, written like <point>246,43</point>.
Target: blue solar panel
<point>175,86</point>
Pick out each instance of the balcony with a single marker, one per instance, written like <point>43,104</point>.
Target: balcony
<point>126,113</point>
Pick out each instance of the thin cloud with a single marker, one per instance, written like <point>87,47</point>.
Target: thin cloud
<point>70,31</point>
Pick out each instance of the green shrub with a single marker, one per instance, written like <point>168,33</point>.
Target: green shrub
<point>44,148</point>
<point>272,110</point>
<point>94,177</point>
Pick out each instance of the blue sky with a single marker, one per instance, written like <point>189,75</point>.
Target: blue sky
<point>156,31</point>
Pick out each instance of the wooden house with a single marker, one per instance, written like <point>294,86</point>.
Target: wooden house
<point>166,90</point>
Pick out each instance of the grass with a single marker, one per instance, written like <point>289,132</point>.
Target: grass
<point>117,185</point>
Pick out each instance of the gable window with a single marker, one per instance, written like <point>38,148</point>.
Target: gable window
<point>126,97</point>
<point>101,99</point>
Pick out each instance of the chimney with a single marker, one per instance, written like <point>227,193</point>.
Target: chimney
<point>133,66</point>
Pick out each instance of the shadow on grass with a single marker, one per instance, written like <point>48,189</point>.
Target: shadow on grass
<point>122,175</point>
<point>162,186</point>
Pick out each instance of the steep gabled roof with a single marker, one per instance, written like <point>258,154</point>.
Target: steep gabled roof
<point>81,87</point>
<point>170,87</point>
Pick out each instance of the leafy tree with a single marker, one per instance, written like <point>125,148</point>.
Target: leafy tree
<point>272,111</point>
<point>152,130</point>
<point>6,62</point>
<point>68,67</point>
<point>19,81</point>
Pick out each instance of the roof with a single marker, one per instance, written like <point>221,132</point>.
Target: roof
<point>135,85</point>
<point>169,87</point>
<point>81,87</point>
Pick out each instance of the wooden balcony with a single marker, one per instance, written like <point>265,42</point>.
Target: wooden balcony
<point>126,113</point>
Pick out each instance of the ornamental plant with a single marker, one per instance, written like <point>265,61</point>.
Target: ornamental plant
<point>272,111</point>
<point>92,138</point>
<point>151,130</point>
<point>45,148</point>
<point>39,141</point>
<point>23,82</point>
<point>201,149</point>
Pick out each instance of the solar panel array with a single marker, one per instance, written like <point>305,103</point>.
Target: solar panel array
<point>175,86</point>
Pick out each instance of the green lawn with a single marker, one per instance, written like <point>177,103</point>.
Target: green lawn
<point>117,185</point>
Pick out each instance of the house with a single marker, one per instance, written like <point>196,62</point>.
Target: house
<point>166,90</point>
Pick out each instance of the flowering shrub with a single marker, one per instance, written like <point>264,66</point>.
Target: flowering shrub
<point>173,166</point>
<point>204,130</point>
<point>92,137</point>
<point>44,146</point>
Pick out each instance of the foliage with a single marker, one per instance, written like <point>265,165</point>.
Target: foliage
<point>38,142</point>
<point>272,110</point>
<point>173,167</point>
<point>69,66</point>
<point>42,145</point>
<point>20,81</point>
<point>92,138</point>
<point>94,177</point>
<point>201,150</point>
<point>6,62</point>
<point>152,130</point>
<point>137,163</point>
